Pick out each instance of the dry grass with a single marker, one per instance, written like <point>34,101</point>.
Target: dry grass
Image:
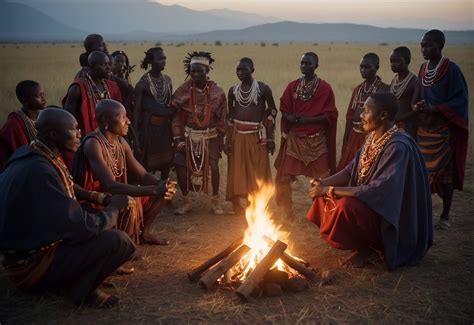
<point>439,290</point>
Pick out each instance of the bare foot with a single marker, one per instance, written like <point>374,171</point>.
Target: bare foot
<point>102,300</point>
<point>153,240</point>
<point>123,270</point>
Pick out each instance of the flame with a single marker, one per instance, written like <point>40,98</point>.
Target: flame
<point>260,224</point>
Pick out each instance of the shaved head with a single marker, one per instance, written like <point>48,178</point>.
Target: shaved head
<point>97,57</point>
<point>437,36</point>
<point>53,118</point>
<point>105,109</point>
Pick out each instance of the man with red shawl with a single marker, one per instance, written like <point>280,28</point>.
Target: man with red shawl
<point>308,131</point>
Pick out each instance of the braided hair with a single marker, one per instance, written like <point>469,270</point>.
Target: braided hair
<point>128,67</point>
<point>190,55</point>
<point>149,57</point>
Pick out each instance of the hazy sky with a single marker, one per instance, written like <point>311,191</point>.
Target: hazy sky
<point>441,14</point>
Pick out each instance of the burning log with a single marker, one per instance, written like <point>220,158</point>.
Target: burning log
<point>195,274</point>
<point>209,280</point>
<point>294,263</point>
<point>253,280</point>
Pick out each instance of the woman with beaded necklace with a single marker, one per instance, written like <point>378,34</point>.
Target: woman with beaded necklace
<point>152,113</point>
<point>354,135</point>
<point>381,200</point>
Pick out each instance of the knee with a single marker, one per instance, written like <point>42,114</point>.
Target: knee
<point>117,242</point>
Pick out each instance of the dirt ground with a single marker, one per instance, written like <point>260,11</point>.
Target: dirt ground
<point>439,290</point>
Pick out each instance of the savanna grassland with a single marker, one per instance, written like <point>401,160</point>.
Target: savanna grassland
<point>439,290</point>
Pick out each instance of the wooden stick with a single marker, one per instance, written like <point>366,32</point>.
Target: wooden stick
<point>209,280</point>
<point>294,263</point>
<point>195,274</point>
<point>253,280</point>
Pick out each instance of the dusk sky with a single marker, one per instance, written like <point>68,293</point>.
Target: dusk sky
<point>441,14</point>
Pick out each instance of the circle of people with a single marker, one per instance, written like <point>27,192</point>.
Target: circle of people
<point>73,209</point>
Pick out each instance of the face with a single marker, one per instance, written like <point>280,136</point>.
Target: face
<point>99,45</point>
<point>308,65</point>
<point>119,64</point>
<point>198,72</point>
<point>244,71</point>
<point>102,68</point>
<point>430,49</point>
<point>68,137</point>
<point>159,61</point>
<point>119,122</point>
<point>367,69</point>
<point>397,63</point>
<point>370,116</point>
<point>37,100</point>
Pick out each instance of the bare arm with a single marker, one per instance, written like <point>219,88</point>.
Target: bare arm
<point>73,100</point>
<point>103,174</point>
<point>271,113</point>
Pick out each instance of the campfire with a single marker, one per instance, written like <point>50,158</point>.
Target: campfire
<point>259,261</point>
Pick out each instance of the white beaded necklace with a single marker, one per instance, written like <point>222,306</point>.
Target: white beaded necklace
<point>430,74</point>
<point>398,87</point>
<point>249,97</point>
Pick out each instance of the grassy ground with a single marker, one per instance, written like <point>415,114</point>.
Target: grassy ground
<point>439,290</point>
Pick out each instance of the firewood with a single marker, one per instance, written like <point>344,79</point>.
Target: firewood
<point>272,290</point>
<point>209,280</point>
<point>297,284</point>
<point>294,263</point>
<point>256,276</point>
<point>195,274</point>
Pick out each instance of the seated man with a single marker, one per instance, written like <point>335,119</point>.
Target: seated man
<point>19,129</point>
<point>382,199</point>
<point>105,163</point>
<point>63,247</point>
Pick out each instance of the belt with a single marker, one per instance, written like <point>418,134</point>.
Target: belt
<point>158,120</point>
<point>245,127</point>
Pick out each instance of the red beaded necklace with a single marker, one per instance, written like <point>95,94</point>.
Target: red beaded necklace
<point>207,105</point>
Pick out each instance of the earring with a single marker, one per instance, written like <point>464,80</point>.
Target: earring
<point>106,127</point>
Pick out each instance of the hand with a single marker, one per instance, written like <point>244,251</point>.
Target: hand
<point>315,181</point>
<point>170,189</point>
<point>227,148</point>
<point>120,201</point>
<point>270,146</point>
<point>317,191</point>
<point>181,146</point>
<point>420,105</point>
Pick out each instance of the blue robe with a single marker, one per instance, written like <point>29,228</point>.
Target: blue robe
<point>398,190</point>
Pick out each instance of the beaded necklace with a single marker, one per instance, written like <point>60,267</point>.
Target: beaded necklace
<point>430,76</point>
<point>58,164</point>
<point>249,97</point>
<point>160,88</point>
<point>305,91</point>
<point>114,154</point>
<point>207,105</point>
<point>94,90</point>
<point>29,125</point>
<point>398,87</point>
<point>371,151</point>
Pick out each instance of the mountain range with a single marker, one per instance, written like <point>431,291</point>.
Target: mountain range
<point>60,20</point>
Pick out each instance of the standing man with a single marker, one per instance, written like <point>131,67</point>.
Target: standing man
<point>250,136</point>
<point>92,42</point>
<point>152,114</point>
<point>64,247</point>
<point>199,125</point>
<point>354,134</point>
<point>85,92</point>
<point>403,87</point>
<point>19,129</point>
<point>105,162</point>
<point>442,105</point>
<point>308,131</point>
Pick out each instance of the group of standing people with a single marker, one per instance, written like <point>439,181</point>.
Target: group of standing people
<point>399,140</point>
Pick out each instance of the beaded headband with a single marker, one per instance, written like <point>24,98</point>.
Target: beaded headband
<point>200,60</point>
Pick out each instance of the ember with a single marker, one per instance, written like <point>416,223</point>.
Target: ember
<point>258,262</point>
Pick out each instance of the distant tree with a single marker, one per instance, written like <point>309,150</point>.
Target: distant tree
<point>180,44</point>
<point>315,44</point>
<point>218,43</point>
<point>262,44</point>
<point>383,44</point>
<point>158,44</point>
<point>275,44</point>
